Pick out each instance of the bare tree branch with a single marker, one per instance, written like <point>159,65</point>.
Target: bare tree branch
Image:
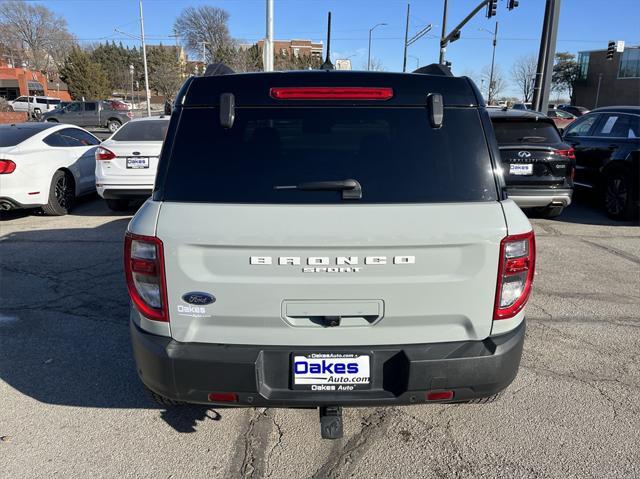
<point>523,73</point>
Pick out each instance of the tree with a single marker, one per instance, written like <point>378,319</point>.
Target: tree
<point>165,72</point>
<point>204,24</point>
<point>40,33</point>
<point>565,73</point>
<point>498,85</point>
<point>523,73</point>
<point>85,78</point>
<point>375,66</point>
<point>115,59</point>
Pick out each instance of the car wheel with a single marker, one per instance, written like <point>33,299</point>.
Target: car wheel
<point>619,196</point>
<point>118,205</point>
<point>551,211</point>
<point>161,400</point>
<point>37,113</point>
<point>113,125</point>
<point>61,195</point>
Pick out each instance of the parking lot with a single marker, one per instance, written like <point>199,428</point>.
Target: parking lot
<point>71,405</point>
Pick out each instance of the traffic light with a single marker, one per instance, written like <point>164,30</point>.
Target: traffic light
<point>611,49</point>
<point>512,4</point>
<point>492,7</point>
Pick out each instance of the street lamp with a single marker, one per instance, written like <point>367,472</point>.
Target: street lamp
<point>493,60</point>
<point>369,55</point>
<point>131,71</point>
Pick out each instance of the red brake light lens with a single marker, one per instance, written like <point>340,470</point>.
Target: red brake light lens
<point>439,395</point>
<point>570,153</point>
<point>144,271</point>
<point>104,154</point>
<point>223,397</point>
<point>7,167</point>
<point>331,93</point>
<point>515,274</point>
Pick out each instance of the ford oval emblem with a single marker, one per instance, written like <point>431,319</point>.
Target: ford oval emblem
<point>198,298</point>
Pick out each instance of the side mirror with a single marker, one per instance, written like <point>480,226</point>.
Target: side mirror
<point>436,109</point>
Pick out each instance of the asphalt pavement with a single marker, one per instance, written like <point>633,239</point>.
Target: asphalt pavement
<point>71,404</point>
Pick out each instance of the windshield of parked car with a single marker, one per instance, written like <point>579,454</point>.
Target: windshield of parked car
<point>150,130</point>
<point>393,153</point>
<point>514,132</point>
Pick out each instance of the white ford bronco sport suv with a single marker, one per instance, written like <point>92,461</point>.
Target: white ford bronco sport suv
<point>328,239</point>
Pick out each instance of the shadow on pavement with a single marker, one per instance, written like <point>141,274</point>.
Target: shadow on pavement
<point>64,312</point>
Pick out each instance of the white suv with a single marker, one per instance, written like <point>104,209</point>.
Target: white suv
<point>36,104</point>
<point>126,163</point>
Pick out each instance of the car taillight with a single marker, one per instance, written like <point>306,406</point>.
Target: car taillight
<point>7,167</point>
<point>104,154</point>
<point>331,93</point>
<point>567,153</point>
<point>515,274</point>
<point>130,114</point>
<point>144,270</point>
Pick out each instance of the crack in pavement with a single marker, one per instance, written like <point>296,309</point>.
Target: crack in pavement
<point>250,458</point>
<point>344,456</point>
<point>614,251</point>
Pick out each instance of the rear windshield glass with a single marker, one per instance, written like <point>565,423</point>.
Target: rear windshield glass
<point>509,132</point>
<point>152,130</point>
<point>392,152</point>
<point>11,136</point>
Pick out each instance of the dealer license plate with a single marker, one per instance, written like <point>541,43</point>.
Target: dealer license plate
<point>138,162</point>
<point>331,371</point>
<point>521,169</point>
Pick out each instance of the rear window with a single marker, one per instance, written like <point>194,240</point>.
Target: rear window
<point>392,152</point>
<point>12,136</point>
<point>152,130</point>
<point>513,132</point>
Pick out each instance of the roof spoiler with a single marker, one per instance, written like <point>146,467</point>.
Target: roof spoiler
<point>435,69</point>
<point>214,69</point>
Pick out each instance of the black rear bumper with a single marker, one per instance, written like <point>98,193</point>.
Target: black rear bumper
<point>261,375</point>
<point>126,194</point>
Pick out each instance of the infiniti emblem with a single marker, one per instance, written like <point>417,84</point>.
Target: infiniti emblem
<point>524,154</point>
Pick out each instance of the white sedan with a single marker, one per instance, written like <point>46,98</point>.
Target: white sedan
<point>126,163</point>
<point>45,165</point>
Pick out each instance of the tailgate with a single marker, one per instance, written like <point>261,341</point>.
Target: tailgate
<point>390,273</point>
<point>529,165</point>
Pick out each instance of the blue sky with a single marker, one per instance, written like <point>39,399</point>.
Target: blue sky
<point>584,25</point>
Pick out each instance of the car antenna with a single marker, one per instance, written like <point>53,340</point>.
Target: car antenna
<point>327,65</point>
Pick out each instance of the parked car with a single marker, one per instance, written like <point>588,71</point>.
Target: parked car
<point>36,104</point>
<point>607,148</point>
<point>333,241</point>
<point>45,165</point>
<point>537,165</point>
<point>522,106</point>
<point>126,163</point>
<point>90,113</point>
<point>574,110</point>
<point>561,118</point>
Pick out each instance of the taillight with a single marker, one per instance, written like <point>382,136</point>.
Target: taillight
<point>515,274</point>
<point>130,114</point>
<point>570,154</point>
<point>331,93</point>
<point>7,167</point>
<point>104,154</point>
<point>144,270</point>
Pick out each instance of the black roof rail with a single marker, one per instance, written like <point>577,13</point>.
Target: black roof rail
<point>214,69</point>
<point>435,69</point>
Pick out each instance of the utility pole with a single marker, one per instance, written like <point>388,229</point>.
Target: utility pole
<point>546,55</point>
<point>144,61</point>
<point>131,71</point>
<point>406,38</point>
<point>268,43</point>
<point>493,61</point>
<point>369,55</point>
<point>443,43</point>
<point>598,90</point>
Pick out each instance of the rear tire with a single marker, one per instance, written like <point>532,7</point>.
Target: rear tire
<point>113,125</point>
<point>161,400</point>
<point>551,211</point>
<point>620,195</point>
<point>61,195</point>
<point>118,205</point>
<point>485,400</point>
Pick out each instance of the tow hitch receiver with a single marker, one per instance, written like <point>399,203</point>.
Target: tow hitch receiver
<point>331,422</point>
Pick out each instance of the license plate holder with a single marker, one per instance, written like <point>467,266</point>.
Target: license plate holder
<point>330,372</point>
<point>137,162</point>
<point>521,169</point>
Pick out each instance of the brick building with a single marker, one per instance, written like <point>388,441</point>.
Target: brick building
<point>15,82</point>
<point>619,78</point>
<point>295,48</point>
